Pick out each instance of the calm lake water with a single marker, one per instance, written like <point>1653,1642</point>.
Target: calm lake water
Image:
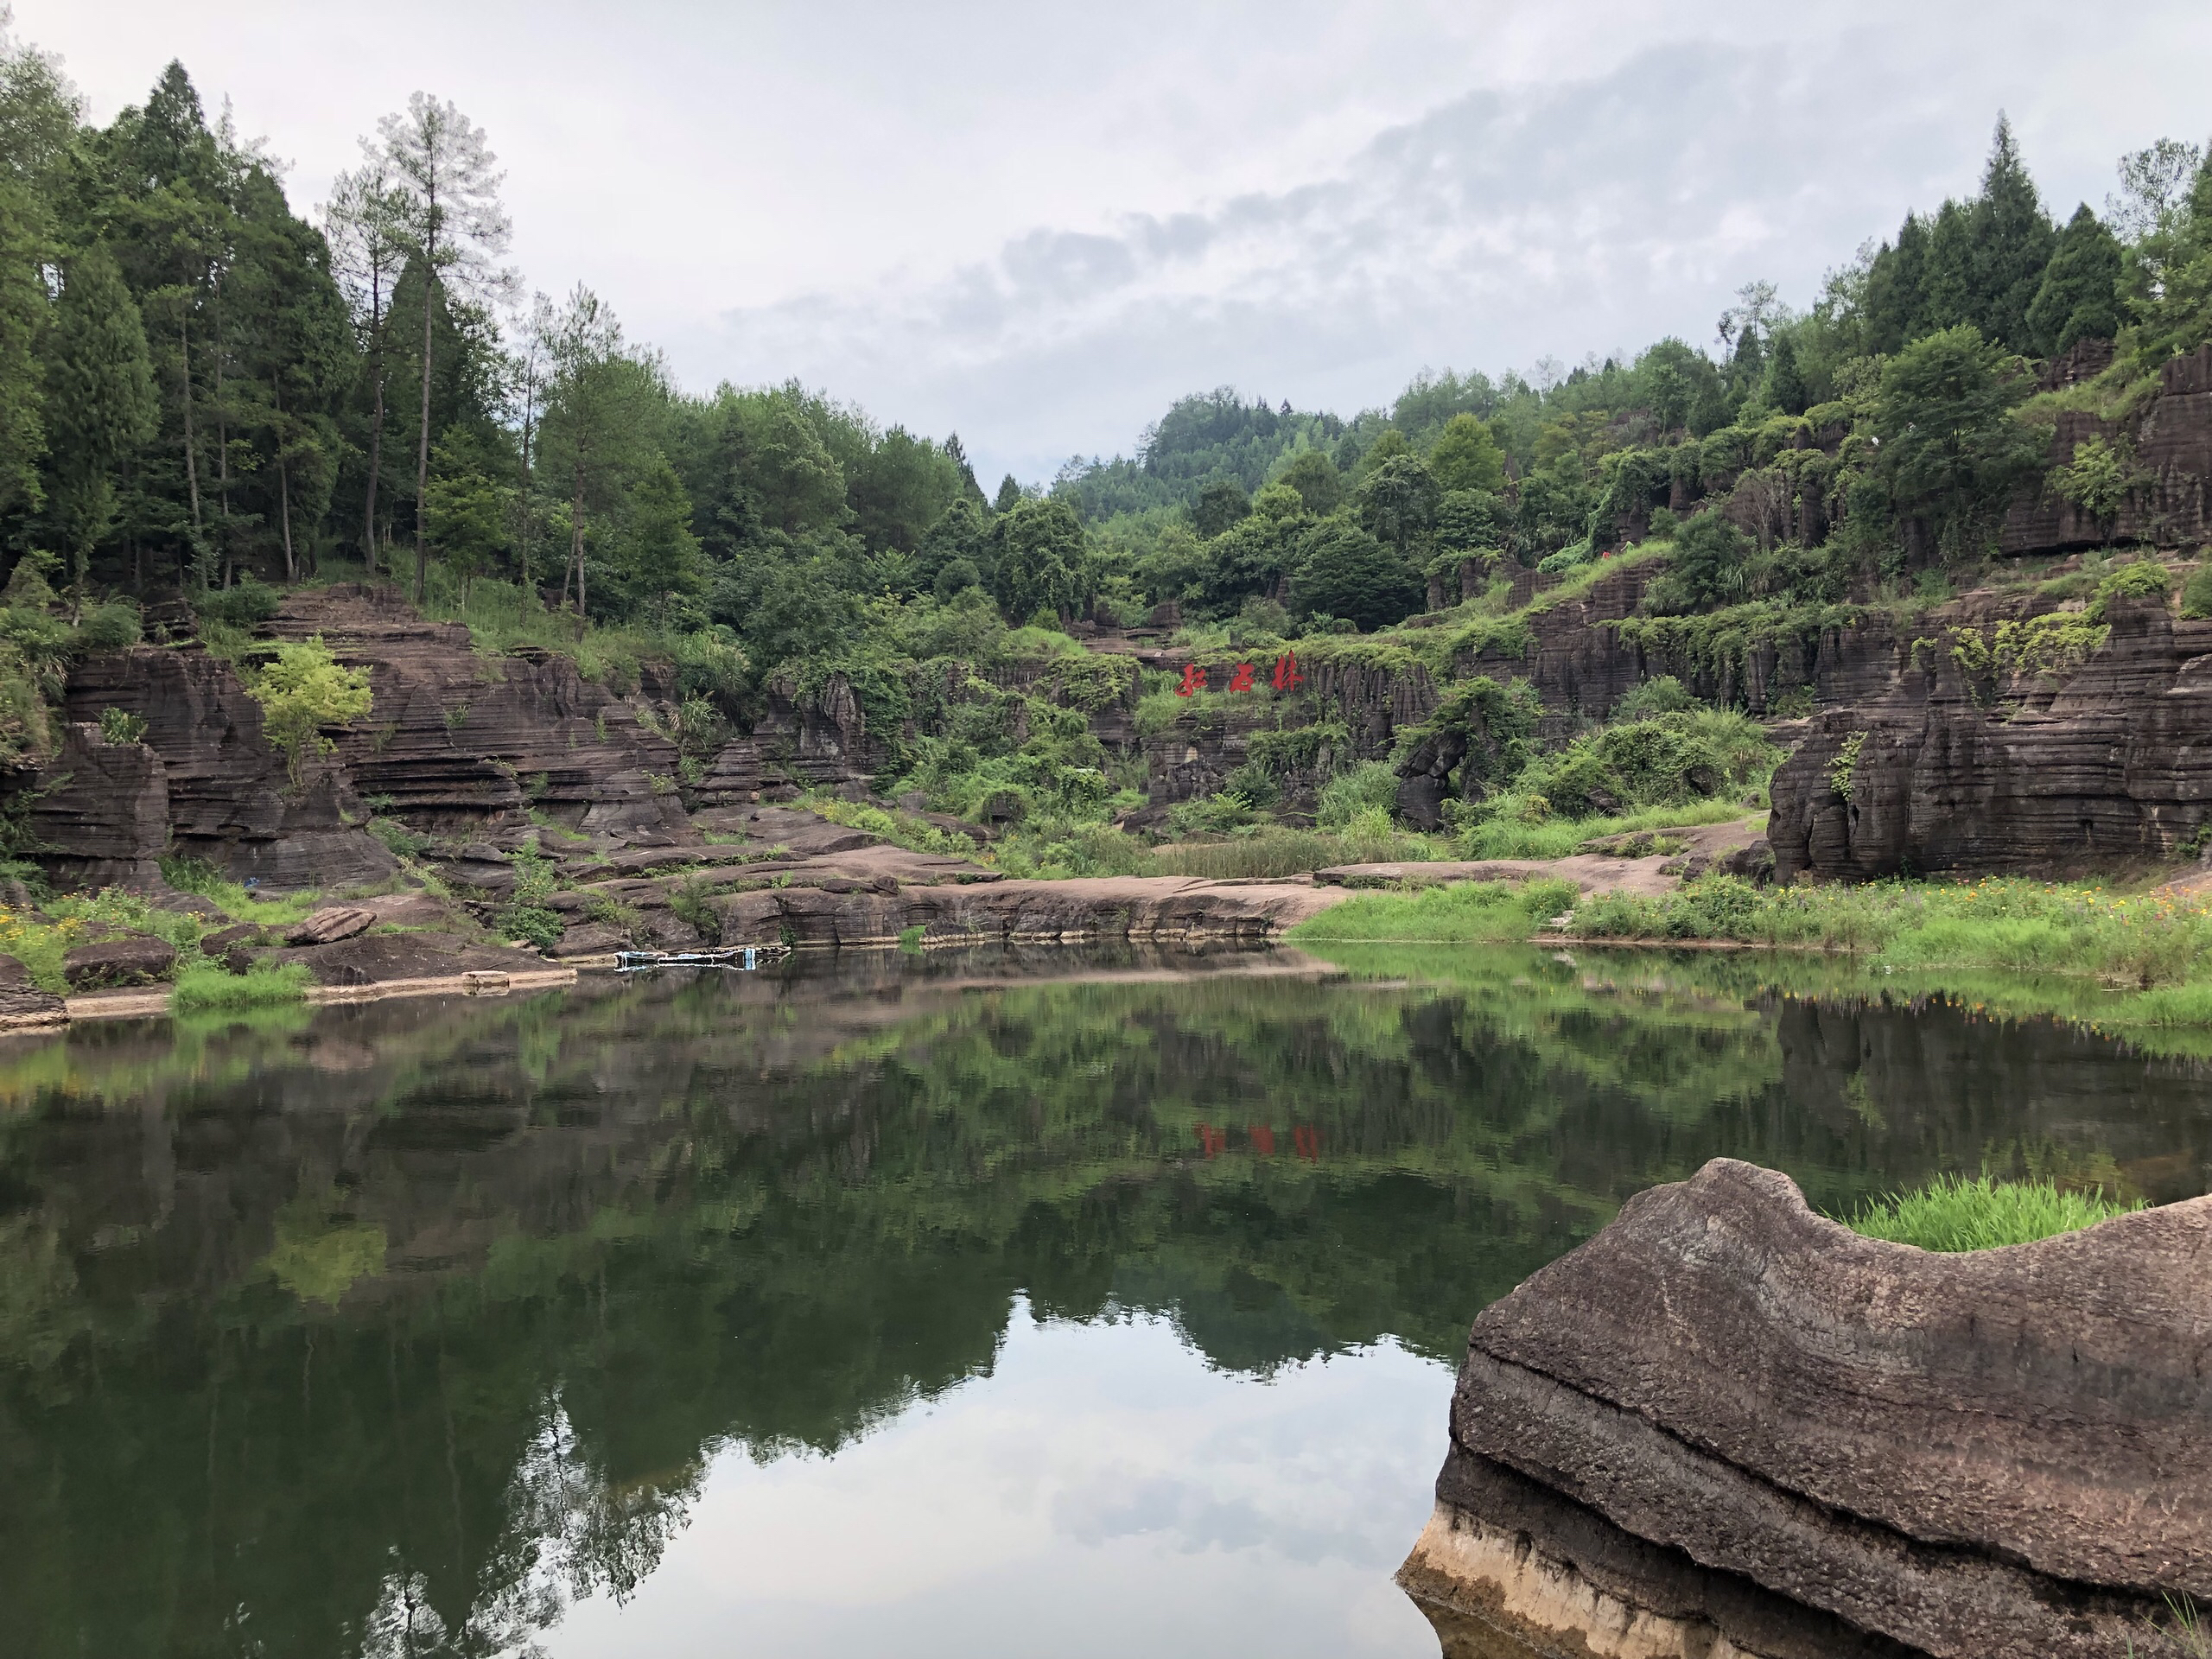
<point>956,1306</point>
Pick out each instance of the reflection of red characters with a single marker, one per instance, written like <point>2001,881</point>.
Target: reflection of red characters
<point>1287,678</point>
<point>1241,680</point>
<point>1262,1139</point>
<point>1194,681</point>
<point>1212,1140</point>
<point>1308,1144</point>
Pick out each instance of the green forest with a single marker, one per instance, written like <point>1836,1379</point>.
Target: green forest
<point>209,391</point>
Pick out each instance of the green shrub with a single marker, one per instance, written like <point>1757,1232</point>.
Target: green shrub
<point>245,604</point>
<point>1662,695</point>
<point>1056,849</point>
<point>2196,592</point>
<point>1843,765</point>
<point>1218,814</point>
<point>108,626</point>
<point>205,988</point>
<point>1252,783</point>
<point>689,902</point>
<point>1666,760</point>
<point>120,725</point>
<point>532,924</point>
<point>2144,578</point>
<point>1372,785</point>
<point>1954,1213</point>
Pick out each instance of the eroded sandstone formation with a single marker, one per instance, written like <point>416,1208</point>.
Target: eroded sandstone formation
<point>1729,1426</point>
<point>1952,769</point>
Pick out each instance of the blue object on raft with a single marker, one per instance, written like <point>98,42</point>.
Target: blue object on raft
<point>743,959</point>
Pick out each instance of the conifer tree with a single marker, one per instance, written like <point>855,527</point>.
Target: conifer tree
<point>1785,380</point>
<point>1895,300</point>
<point>2079,296</point>
<point>99,399</point>
<point>22,315</point>
<point>2012,239</point>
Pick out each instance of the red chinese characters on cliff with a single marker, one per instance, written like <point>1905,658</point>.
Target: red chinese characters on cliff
<point>1243,676</point>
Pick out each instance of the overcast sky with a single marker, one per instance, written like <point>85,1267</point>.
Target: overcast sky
<point>1037,225</point>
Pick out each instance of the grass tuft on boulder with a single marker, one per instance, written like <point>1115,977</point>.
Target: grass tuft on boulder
<point>1956,1212</point>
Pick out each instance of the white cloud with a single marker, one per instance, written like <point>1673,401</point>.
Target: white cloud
<point>1037,225</point>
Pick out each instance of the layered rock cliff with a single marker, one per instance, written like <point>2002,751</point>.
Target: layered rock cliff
<point>1963,766</point>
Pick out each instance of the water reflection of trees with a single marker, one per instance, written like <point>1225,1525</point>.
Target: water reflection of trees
<point>390,1331</point>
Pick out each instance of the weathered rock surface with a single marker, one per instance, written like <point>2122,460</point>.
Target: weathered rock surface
<point>127,959</point>
<point>2111,763</point>
<point>1131,907</point>
<point>27,1008</point>
<point>100,812</point>
<point>1724,1406</point>
<point>229,800</point>
<point>457,737</point>
<point>331,924</point>
<point>382,958</point>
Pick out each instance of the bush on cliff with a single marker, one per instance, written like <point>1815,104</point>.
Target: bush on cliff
<point>2196,592</point>
<point>1958,1213</point>
<point>304,691</point>
<point>1666,761</point>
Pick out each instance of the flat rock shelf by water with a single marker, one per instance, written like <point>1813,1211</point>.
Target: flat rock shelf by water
<point>960,1304</point>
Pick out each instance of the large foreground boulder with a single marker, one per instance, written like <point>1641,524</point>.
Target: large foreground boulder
<point>1726,1425</point>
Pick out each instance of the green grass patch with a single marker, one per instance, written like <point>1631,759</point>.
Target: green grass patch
<point>206,988</point>
<point>204,880</point>
<point>1464,912</point>
<point>1507,835</point>
<point>1956,1212</point>
<point>2140,941</point>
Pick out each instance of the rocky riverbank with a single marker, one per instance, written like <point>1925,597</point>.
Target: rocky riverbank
<point>1728,1426</point>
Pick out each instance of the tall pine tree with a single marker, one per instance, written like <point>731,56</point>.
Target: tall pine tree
<point>2079,296</point>
<point>99,401</point>
<point>2011,241</point>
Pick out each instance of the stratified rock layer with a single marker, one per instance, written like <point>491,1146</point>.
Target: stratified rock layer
<point>229,798</point>
<point>1725,1407</point>
<point>2112,759</point>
